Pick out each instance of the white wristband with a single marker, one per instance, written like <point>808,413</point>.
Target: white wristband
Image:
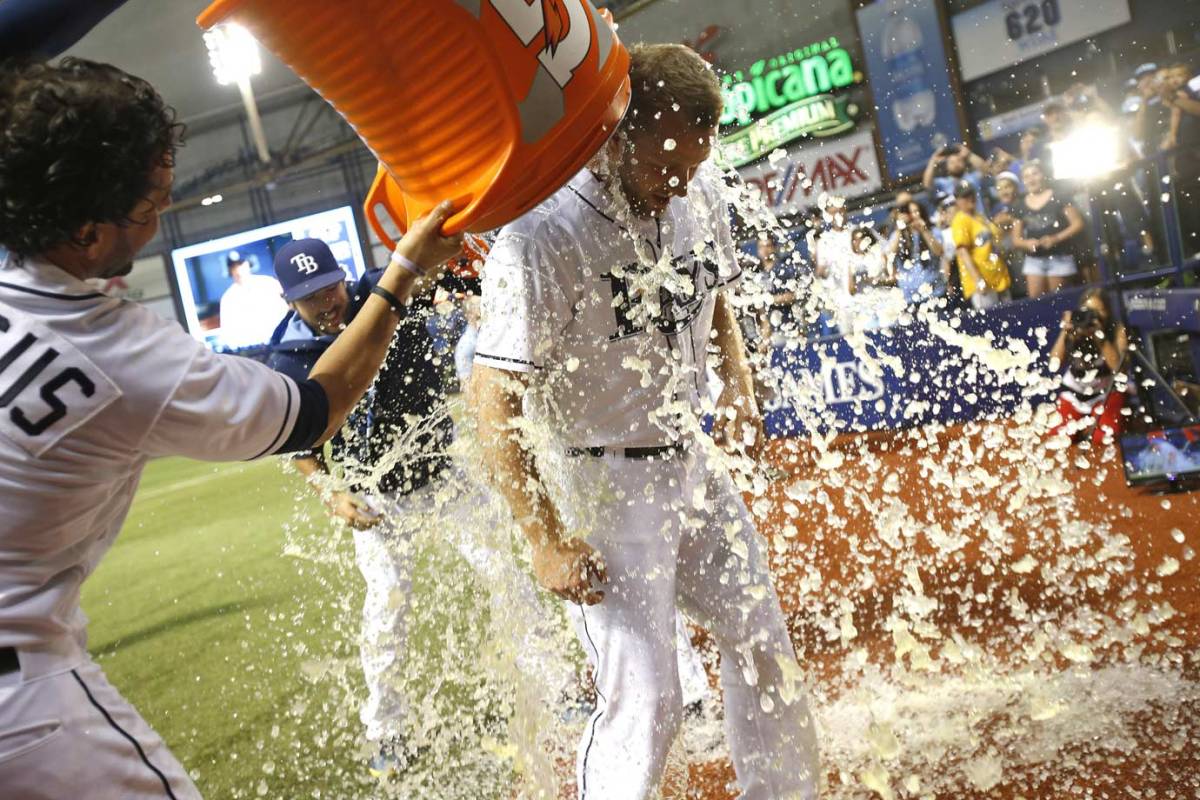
<point>406,263</point>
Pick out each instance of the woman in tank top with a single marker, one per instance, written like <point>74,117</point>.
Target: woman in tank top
<point>1044,229</point>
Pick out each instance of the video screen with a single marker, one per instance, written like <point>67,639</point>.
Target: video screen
<point>231,299</point>
<point>1161,456</point>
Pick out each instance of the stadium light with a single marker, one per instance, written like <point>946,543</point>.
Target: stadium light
<point>234,57</point>
<point>1088,152</point>
<point>233,54</point>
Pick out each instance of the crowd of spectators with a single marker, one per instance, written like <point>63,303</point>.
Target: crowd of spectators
<point>980,231</point>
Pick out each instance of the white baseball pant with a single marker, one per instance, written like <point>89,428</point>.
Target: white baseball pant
<point>384,556</point>
<point>65,732</point>
<point>675,535</point>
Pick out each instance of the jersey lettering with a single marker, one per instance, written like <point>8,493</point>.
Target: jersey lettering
<point>621,307</point>
<point>47,386</point>
<point>676,312</point>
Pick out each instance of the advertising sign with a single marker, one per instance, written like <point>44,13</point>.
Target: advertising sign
<point>785,98</point>
<point>871,395</point>
<point>797,77</point>
<point>846,167</point>
<point>1001,33</point>
<point>820,116</point>
<point>910,77</point>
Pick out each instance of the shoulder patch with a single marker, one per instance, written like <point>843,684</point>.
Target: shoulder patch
<point>48,388</point>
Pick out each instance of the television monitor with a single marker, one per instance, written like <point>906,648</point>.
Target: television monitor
<point>230,298</point>
<point>1168,455</point>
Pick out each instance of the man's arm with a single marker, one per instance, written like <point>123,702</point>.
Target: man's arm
<point>977,162</point>
<point>964,257</point>
<point>742,422</point>
<point>1186,104</point>
<point>931,170</point>
<point>343,505</point>
<point>566,566</point>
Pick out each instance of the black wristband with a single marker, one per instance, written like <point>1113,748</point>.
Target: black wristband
<point>393,301</point>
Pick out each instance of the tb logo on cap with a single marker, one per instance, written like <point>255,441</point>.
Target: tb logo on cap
<point>305,263</point>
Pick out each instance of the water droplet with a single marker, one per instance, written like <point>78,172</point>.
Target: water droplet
<point>669,145</point>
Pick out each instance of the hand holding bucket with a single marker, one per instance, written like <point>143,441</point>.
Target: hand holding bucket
<point>492,103</point>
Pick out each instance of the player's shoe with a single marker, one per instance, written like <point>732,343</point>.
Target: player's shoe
<point>392,760</point>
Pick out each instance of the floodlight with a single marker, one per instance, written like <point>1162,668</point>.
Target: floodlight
<point>233,54</point>
<point>1090,151</point>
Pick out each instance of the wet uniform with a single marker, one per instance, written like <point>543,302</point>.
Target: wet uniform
<point>91,388</point>
<point>672,532</point>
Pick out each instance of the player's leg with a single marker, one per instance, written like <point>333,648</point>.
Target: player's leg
<point>724,583</point>
<point>629,637</point>
<point>692,677</point>
<point>72,734</point>
<point>382,554</point>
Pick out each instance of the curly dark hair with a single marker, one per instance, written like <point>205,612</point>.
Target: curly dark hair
<point>79,142</point>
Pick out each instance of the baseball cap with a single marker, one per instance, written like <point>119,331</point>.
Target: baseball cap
<point>1008,176</point>
<point>944,200</point>
<point>305,266</point>
<point>964,189</point>
<point>1145,69</point>
<point>233,257</point>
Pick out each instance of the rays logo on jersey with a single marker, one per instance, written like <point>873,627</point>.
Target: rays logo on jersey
<point>676,311</point>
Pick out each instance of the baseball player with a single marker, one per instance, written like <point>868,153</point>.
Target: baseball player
<point>600,310</point>
<point>92,387</point>
<point>407,404</point>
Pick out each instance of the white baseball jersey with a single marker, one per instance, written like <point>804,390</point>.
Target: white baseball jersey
<point>557,300</point>
<point>251,311</point>
<point>91,387</point>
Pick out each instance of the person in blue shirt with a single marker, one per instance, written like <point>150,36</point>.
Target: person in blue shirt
<point>393,454</point>
<point>950,166</point>
<point>915,252</point>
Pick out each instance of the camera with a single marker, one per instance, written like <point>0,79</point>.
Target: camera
<point>1085,318</point>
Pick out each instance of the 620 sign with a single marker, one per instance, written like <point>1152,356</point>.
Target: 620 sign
<point>1032,19</point>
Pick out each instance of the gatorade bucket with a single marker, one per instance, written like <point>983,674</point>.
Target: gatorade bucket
<point>493,104</point>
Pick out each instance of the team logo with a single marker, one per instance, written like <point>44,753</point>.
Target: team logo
<point>563,25</point>
<point>305,263</point>
<point>676,312</point>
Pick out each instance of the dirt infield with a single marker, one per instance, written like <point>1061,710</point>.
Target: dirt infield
<point>1004,547</point>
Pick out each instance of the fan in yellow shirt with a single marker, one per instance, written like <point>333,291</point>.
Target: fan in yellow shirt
<point>985,278</point>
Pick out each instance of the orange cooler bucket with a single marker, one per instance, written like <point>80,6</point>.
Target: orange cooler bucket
<point>493,104</point>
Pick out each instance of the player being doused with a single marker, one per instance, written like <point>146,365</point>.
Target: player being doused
<point>602,306</point>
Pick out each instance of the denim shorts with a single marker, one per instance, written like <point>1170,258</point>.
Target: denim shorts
<point>1050,266</point>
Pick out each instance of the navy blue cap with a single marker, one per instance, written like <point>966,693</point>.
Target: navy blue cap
<point>1145,69</point>
<point>305,266</point>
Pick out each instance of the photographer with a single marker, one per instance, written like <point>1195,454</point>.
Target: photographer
<point>1092,345</point>
<point>956,163</point>
<point>914,251</point>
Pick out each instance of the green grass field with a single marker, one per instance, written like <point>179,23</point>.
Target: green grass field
<point>205,626</point>
<point>227,612</point>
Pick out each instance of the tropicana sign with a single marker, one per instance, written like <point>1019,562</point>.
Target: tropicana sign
<point>781,99</point>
